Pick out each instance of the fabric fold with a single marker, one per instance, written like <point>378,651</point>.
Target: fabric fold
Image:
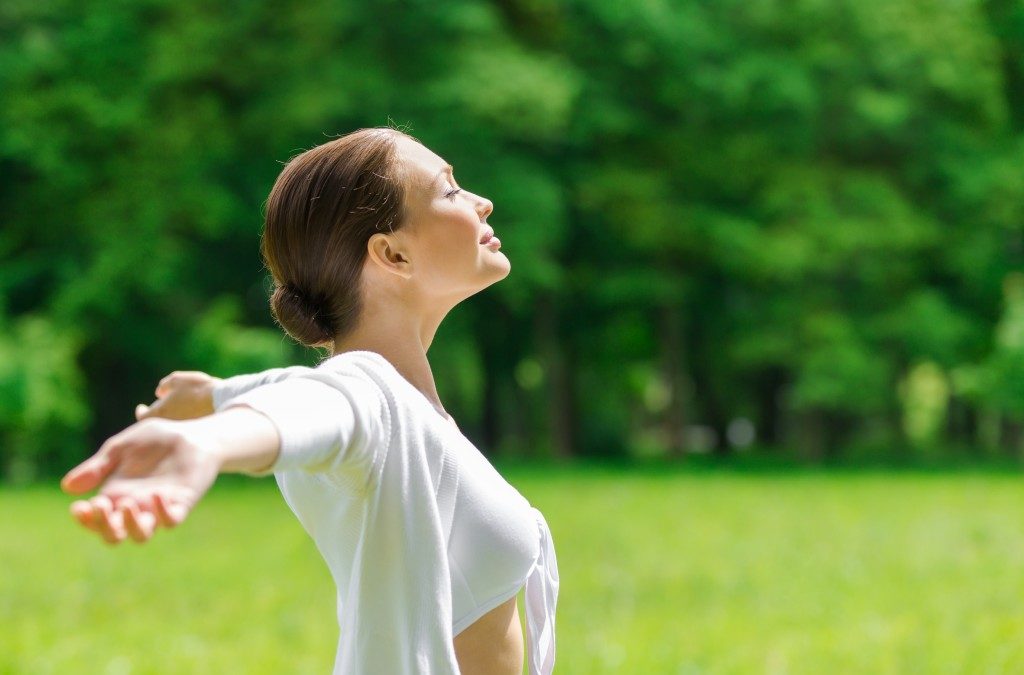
<point>541,599</point>
<point>399,504</point>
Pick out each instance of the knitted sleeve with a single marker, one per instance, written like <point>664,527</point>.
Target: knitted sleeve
<point>230,387</point>
<point>334,422</point>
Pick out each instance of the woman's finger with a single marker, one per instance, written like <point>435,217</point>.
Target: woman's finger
<point>139,524</point>
<point>154,409</point>
<point>89,474</point>
<point>131,526</point>
<point>168,513</point>
<point>160,510</point>
<point>165,383</point>
<point>109,520</point>
<point>82,511</point>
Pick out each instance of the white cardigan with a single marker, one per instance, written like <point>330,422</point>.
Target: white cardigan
<point>374,473</point>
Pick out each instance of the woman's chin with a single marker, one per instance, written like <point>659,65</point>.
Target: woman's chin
<point>494,274</point>
<point>500,261</point>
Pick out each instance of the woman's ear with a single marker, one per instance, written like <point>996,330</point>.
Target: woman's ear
<point>388,253</point>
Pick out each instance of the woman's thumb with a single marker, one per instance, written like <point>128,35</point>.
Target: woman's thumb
<point>87,475</point>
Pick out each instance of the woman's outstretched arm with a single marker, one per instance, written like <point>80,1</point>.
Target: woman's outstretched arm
<point>187,394</point>
<point>154,472</point>
<point>188,456</point>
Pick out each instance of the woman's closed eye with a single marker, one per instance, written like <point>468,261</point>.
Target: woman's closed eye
<point>453,192</point>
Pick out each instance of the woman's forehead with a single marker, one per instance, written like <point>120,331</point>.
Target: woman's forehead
<point>423,164</point>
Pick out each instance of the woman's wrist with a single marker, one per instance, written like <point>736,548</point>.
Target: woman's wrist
<point>239,439</point>
<point>212,394</point>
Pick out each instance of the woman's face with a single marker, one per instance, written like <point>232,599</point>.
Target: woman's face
<point>445,227</point>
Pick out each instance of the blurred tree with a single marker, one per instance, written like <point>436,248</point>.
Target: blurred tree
<point>779,212</point>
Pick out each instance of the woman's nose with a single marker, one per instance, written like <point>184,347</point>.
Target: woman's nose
<point>484,207</point>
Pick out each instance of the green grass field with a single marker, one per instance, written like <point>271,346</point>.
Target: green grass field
<point>709,572</point>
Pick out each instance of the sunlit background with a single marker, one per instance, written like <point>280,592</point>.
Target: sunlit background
<point>760,358</point>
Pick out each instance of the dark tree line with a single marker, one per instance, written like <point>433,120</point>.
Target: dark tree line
<point>793,223</point>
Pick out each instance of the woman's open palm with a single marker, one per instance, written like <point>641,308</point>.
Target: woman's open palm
<point>150,475</point>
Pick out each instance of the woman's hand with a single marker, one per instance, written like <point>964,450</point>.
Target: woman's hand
<point>152,474</point>
<point>182,395</point>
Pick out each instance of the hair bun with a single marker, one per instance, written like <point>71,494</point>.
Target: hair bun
<point>300,316</point>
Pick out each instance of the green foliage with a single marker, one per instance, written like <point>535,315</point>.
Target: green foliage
<point>43,405</point>
<point>821,195</point>
<point>925,397</point>
<point>998,382</point>
<point>220,344</point>
<point>837,370</point>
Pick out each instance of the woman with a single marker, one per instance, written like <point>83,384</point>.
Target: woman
<point>370,242</point>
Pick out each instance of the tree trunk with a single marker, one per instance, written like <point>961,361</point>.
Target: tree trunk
<point>495,326</point>
<point>679,384</point>
<point>558,379</point>
<point>769,406</point>
<point>811,436</point>
<point>705,396</point>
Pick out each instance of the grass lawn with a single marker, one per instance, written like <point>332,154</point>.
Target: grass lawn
<point>710,572</point>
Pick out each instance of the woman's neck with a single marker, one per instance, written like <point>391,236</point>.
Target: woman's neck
<point>408,359</point>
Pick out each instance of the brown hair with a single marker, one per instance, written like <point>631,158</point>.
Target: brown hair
<point>321,212</point>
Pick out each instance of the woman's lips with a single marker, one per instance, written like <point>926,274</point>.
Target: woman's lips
<point>490,240</point>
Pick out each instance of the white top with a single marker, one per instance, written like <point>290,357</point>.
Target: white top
<point>422,535</point>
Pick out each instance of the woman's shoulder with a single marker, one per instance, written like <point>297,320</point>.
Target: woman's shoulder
<point>368,367</point>
<point>373,367</point>
<point>359,361</point>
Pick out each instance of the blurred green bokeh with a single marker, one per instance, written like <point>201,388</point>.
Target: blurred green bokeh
<point>797,225</point>
<point>741,233</point>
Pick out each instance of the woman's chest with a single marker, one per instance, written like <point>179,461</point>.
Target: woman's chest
<point>494,537</point>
